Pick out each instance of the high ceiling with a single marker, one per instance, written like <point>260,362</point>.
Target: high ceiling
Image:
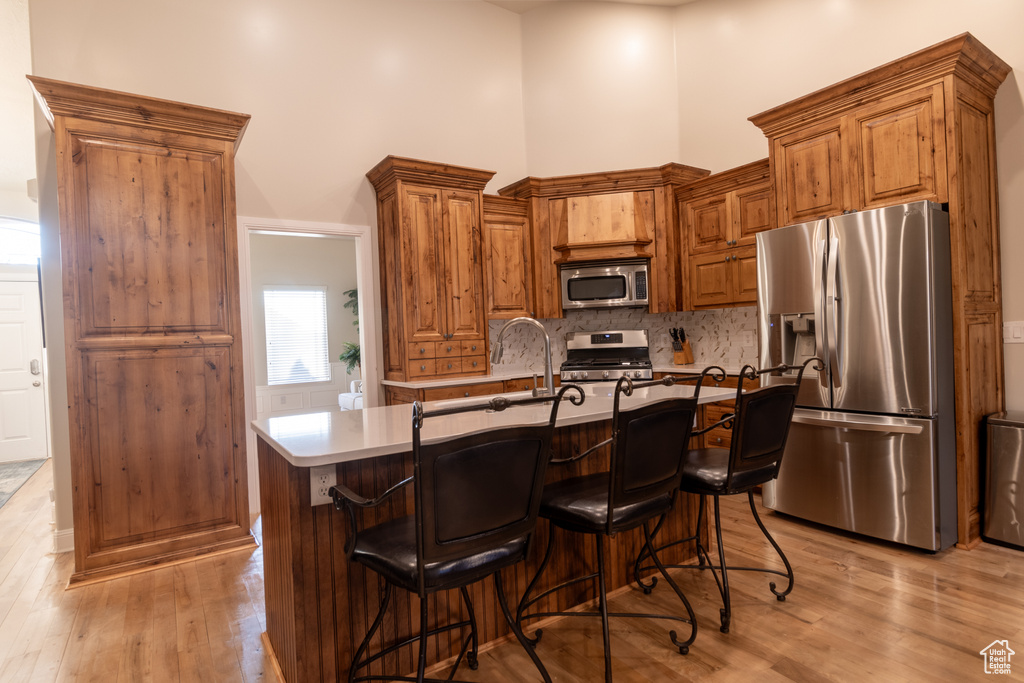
<point>522,6</point>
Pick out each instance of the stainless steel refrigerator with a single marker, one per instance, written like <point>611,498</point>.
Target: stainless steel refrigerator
<point>872,447</point>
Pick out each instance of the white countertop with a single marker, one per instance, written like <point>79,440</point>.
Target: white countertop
<point>324,437</point>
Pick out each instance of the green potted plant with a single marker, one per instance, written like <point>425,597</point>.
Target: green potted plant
<point>350,355</point>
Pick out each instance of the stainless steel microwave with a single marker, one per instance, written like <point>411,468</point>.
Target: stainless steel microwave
<point>604,285</point>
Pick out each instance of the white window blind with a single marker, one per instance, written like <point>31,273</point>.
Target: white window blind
<point>296,319</point>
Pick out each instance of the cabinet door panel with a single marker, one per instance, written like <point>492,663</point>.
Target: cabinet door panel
<point>752,213</point>
<point>810,174</point>
<point>167,257</point>
<point>160,450</point>
<point>710,275</point>
<point>508,268</point>
<point>424,263</point>
<point>463,270</point>
<point>745,273</point>
<point>899,145</point>
<point>707,223</point>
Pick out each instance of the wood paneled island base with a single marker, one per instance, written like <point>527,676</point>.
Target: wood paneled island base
<point>320,606</point>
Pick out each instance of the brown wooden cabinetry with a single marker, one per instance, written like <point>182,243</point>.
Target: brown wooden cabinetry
<point>720,217</point>
<point>882,153</point>
<point>921,127</point>
<point>432,282</point>
<point>394,395</point>
<point>507,261</point>
<point>600,216</point>
<point>151,327</point>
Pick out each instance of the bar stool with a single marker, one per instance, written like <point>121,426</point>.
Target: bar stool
<point>476,500</point>
<point>760,427</point>
<point>647,448</point>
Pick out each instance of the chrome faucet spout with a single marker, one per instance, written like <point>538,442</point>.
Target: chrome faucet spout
<point>549,380</point>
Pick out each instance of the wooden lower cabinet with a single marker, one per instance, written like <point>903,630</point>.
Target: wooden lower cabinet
<point>396,395</point>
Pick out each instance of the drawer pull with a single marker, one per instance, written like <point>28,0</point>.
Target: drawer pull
<point>423,368</point>
<point>466,394</point>
<point>474,348</point>
<point>422,350</point>
<point>449,366</point>
<point>474,364</point>
<point>449,349</point>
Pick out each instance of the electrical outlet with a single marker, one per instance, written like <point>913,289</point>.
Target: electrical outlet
<point>321,479</point>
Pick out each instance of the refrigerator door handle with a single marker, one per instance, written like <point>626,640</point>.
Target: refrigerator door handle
<point>858,425</point>
<point>832,311</point>
<point>819,316</point>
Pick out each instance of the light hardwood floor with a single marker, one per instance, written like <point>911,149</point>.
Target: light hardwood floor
<point>861,610</point>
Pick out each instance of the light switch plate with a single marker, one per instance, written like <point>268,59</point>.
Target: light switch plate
<point>1013,332</point>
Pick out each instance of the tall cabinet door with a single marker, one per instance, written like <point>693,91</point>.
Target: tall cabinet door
<point>424,270</point>
<point>463,268</point>
<point>152,327</point>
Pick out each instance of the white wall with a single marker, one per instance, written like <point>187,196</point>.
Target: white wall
<point>599,88</point>
<point>738,58</point>
<point>17,152</point>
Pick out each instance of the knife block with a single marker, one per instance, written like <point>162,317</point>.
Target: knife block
<point>684,357</point>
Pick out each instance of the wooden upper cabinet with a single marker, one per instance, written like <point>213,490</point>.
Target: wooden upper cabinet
<point>423,275</point>
<point>430,230</point>
<point>898,150</point>
<point>152,329</point>
<point>810,174</point>
<point>463,278</point>
<point>919,128</point>
<point>721,216</point>
<point>507,260</point>
<point>602,216</point>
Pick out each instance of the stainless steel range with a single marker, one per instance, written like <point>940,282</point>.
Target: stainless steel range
<point>606,356</point>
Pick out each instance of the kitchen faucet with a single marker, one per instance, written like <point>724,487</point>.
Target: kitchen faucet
<point>549,380</point>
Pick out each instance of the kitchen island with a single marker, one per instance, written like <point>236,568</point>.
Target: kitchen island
<point>319,606</point>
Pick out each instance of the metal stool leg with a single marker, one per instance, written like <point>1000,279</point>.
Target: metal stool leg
<point>603,603</point>
<point>373,629</point>
<point>726,611</point>
<point>523,640</point>
<point>780,596</point>
<point>471,658</point>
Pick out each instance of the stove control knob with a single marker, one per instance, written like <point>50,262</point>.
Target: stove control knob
<point>605,374</point>
<point>637,374</point>
<point>572,375</point>
<point>583,375</point>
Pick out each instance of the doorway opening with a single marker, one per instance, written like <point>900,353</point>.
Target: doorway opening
<point>325,271</point>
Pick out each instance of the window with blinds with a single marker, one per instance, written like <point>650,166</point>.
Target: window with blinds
<point>296,321</point>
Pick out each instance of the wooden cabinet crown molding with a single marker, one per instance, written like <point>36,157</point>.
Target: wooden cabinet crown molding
<point>58,98</point>
<point>963,55</point>
<point>392,169</point>
<point>606,181</point>
<point>727,181</point>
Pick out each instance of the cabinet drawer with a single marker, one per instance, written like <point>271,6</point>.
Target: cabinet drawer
<point>475,364</point>
<point>448,366</point>
<point>421,350</point>
<point>465,391</point>
<point>522,384</point>
<point>421,367</point>
<point>447,349</point>
<point>473,347</point>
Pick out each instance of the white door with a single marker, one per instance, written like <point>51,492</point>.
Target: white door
<point>22,406</point>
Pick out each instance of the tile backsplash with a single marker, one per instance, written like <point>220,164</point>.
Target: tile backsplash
<point>722,335</point>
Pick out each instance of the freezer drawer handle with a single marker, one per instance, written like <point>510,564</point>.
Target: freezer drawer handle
<point>858,425</point>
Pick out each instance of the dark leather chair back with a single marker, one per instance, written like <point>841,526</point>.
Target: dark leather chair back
<point>482,491</point>
<point>648,446</point>
<point>759,433</point>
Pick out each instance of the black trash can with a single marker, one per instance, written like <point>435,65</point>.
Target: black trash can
<point>1003,520</point>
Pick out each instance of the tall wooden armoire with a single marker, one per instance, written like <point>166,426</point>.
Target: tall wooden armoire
<point>152,331</point>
